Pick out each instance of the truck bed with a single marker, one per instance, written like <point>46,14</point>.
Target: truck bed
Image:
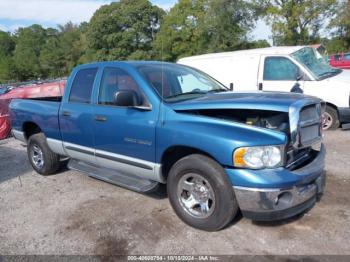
<point>43,111</point>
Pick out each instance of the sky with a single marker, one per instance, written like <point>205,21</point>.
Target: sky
<point>50,13</point>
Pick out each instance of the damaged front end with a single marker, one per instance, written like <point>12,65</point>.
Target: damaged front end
<point>301,123</point>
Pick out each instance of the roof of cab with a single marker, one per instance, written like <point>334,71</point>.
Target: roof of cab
<point>280,50</point>
<point>114,63</point>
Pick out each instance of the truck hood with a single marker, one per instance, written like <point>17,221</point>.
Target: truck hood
<point>278,111</point>
<point>343,77</point>
<point>270,101</point>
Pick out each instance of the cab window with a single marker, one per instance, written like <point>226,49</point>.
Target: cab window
<point>280,69</point>
<point>82,86</point>
<point>113,80</point>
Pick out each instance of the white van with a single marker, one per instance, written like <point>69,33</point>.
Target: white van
<point>279,69</point>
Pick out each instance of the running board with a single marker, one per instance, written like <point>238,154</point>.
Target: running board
<point>111,176</point>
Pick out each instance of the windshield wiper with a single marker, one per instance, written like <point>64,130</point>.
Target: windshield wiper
<point>328,73</point>
<point>200,92</point>
<point>188,93</point>
<point>218,90</point>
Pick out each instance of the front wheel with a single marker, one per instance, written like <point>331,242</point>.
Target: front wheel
<point>42,159</point>
<point>330,119</point>
<point>201,193</point>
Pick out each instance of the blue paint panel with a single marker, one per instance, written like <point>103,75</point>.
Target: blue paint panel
<point>126,131</point>
<point>42,113</point>
<point>77,128</point>
<point>218,138</point>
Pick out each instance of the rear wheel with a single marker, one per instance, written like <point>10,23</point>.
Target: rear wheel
<point>330,119</point>
<point>42,159</point>
<point>201,194</point>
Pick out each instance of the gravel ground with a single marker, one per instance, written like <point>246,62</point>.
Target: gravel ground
<point>72,214</point>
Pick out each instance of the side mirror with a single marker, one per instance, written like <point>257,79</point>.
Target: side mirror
<point>231,86</point>
<point>127,98</point>
<point>297,89</point>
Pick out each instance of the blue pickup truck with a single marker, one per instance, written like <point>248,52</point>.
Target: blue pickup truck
<point>141,124</point>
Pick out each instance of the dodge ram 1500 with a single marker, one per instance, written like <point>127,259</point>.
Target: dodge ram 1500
<point>140,124</point>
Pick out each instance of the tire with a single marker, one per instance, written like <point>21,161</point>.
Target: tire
<point>198,172</point>
<point>46,162</point>
<point>330,119</point>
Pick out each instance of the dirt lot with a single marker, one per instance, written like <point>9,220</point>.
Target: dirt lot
<point>70,213</point>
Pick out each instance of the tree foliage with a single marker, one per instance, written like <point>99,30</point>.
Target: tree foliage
<point>124,30</point>
<point>137,29</point>
<point>341,25</point>
<point>200,26</point>
<point>296,22</point>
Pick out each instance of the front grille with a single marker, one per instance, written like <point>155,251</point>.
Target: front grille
<point>310,125</point>
<point>309,133</point>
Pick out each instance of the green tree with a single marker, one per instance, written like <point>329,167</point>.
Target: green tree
<point>296,22</point>
<point>51,56</point>
<point>7,72</point>
<point>27,52</point>
<point>227,23</point>
<point>71,48</point>
<point>199,26</point>
<point>341,24</point>
<point>124,30</point>
<point>7,45</point>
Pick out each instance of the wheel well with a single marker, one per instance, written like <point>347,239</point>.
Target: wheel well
<point>30,128</point>
<point>333,106</point>
<point>173,154</point>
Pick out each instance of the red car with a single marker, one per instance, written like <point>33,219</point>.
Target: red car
<point>48,89</point>
<point>340,60</point>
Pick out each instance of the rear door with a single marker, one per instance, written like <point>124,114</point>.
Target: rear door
<point>278,73</point>
<point>124,136</point>
<point>76,116</point>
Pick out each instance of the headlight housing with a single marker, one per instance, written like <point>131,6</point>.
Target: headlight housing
<point>258,157</point>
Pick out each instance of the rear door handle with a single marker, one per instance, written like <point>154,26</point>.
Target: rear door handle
<point>101,118</point>
<point>66,113</point>
<point>260,86</point>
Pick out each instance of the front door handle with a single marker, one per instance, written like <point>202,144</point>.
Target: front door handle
<point>260,86</point>
<point>66,113</point>
<point>101,118</point>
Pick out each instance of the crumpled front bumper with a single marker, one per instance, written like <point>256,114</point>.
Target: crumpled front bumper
<point>275,203</point>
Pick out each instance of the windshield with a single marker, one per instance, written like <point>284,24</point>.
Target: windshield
<point>315,63</point>
<point>175,82</point>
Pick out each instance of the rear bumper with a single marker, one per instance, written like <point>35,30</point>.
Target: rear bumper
<point>275,203</point>
<point>344,114</point>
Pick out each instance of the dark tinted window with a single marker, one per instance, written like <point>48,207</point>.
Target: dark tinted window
<point>114,80</point>
<point>280,68</point>
<point>82,86</point>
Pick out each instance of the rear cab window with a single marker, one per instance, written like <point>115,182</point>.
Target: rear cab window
<point>83,83</point>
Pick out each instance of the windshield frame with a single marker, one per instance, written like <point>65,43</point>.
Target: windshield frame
<point>321,76</point>
<point>181,96</point>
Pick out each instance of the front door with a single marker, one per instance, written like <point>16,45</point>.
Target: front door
<point>124,136</point>
<point>278,73</point>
